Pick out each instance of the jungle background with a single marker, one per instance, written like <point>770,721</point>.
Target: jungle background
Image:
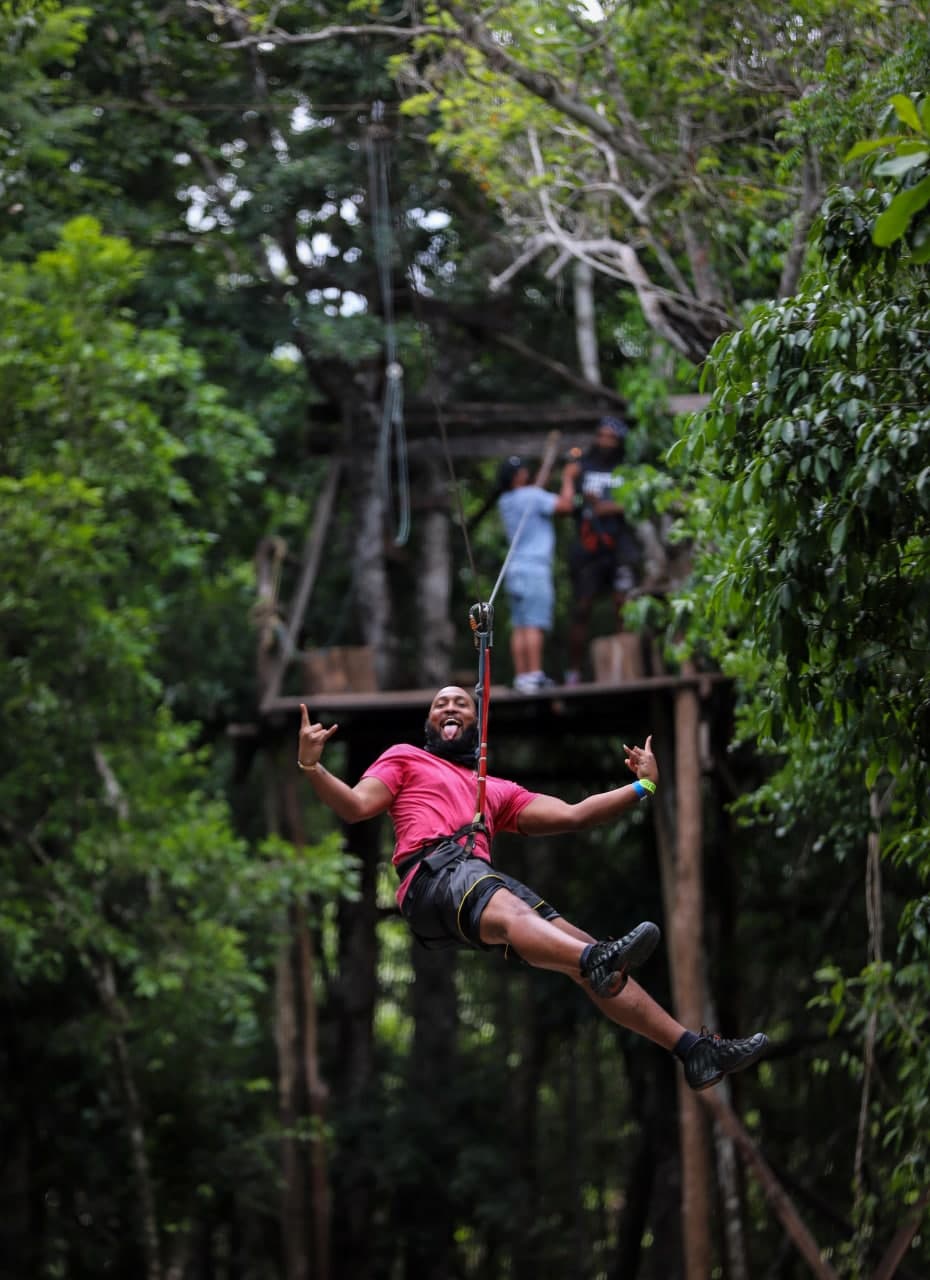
<point>254,258</point>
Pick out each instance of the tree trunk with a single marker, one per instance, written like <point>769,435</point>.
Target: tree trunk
<point>811,194</point>
<point>293,1190</point>
<point>426,1214</point>
<point>697,245</point>
<point>586,321</point>
<point>524,1133</point>
<point>317,1093</point>
<point>434,582</point>
<point>371,580</point>
<point>724,1005</point>
<point>317,1096</point>
<point>353,1238</point>
<point>686,946</point>
<point>286,1022</point>
<point>652,1196</point>
<point>135,1123</point>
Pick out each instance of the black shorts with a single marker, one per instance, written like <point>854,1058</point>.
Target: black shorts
<point>608,569</point>
<point>446,898</point>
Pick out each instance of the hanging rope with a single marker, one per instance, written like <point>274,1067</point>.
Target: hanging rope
<point>392,436</point>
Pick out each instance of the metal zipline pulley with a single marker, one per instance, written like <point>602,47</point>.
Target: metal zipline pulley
<point>481,621</point>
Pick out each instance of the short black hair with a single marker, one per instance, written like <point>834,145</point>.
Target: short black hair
<point>506,472</point>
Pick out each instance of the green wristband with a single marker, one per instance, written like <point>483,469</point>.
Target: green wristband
<point>647,785</point>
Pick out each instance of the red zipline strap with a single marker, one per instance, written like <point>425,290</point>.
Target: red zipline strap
<point>481,620</point>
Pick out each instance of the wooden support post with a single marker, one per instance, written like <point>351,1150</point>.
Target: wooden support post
<point>313,552</point>
<point>688,969</point>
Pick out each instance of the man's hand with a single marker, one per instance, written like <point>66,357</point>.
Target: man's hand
<point>313,738</point>
<point>641,761</point>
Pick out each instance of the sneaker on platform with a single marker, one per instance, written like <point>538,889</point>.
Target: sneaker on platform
<point>607,967</point>
<point>533,682</point>
<point>711,1057</point>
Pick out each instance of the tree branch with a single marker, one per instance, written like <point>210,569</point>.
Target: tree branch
<point>790,1219</point>
<point>472,32</point>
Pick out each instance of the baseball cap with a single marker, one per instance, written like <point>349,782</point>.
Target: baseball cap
<point>507,470</point>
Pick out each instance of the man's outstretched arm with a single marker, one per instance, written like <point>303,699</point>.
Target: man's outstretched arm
<point>548,815</point>
<point>366,799</point>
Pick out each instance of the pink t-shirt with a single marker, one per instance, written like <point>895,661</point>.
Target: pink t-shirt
<point>433,797</point>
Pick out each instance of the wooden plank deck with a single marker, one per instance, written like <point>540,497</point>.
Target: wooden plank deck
<point>589,708</point>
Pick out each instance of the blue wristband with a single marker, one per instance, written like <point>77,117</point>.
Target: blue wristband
<point>639,789</point>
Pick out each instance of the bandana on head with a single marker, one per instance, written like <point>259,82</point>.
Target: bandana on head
<point>462,750</point>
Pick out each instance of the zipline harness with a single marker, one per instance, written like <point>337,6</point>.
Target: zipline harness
<point>446,848</point>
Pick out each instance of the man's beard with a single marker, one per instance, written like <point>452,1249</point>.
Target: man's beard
<point>605,458</point>
<point>460,750</point>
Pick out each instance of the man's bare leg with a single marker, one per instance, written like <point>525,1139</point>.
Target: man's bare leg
<point>520,651</point>
<point>558,945</point>
<point>507,920</point>
<point>633,1008</point>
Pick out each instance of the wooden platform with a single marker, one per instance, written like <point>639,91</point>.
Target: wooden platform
<point>593,708</point>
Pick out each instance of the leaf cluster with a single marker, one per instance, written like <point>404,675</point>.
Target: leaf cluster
<point>812,515</point>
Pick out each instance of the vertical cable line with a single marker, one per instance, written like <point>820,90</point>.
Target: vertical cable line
<point>392,437</point>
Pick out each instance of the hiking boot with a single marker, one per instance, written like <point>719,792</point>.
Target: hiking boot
<point>712,1057</point>
<point>608,964</point>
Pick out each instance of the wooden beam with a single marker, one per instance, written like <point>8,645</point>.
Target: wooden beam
<point>495,429</point>
<point>313,551</point>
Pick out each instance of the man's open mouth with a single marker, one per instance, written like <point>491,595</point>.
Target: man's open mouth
<point>450,728</point>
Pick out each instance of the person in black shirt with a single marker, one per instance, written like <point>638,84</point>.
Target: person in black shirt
<point>605,556</point>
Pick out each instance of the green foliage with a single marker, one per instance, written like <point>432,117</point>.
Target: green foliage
<point>640,125</point>
<point>123,882</point>
<point>812,471</point>
<point>819,416</point>
<point>39,122</point>
<point>909,161</point>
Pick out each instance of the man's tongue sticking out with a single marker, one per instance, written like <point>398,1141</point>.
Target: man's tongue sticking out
<point>449,730</point>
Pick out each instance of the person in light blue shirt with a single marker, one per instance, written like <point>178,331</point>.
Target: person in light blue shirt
<point>527,510</point>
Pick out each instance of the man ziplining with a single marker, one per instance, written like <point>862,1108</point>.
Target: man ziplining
<point>451,895</point>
